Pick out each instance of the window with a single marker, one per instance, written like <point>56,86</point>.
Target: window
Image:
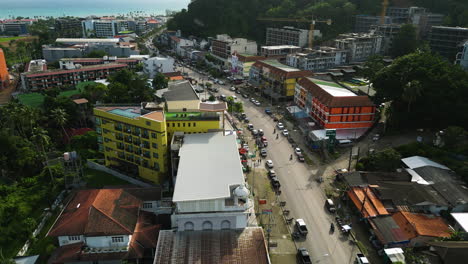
<point>98,121</point>
<point>107,140</point>
<point>173,124</point>
<point>153,135</point>
<point>194,124</point>
<point>98,130</point>
<point>189,124</point>
<point>117,239</point>
<point>155,145</point>
<point>178,124</point>
<point>104,121</point>
<point>155,155</point>
<point>148,123</point>
<point>183,124</point>
<point>147,205</point>
<point>74,238</point>
<point>106,131</point>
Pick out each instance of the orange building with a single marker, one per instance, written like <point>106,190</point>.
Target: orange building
<point>4,76</point>
<point>334,107</point>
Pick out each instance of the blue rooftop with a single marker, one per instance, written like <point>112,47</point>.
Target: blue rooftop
<point>129,113</point>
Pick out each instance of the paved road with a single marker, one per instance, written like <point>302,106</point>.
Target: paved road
<point>304,197</point>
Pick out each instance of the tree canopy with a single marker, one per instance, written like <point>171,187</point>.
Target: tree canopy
<point>425,92</point>
<point>128,87</point>
<point>405,41</point>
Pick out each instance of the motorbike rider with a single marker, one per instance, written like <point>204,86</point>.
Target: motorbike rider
<point>291,157</point>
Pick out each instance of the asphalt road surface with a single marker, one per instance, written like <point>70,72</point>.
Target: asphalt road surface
<point>304,197</point>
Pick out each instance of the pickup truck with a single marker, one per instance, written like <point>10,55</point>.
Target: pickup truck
<point>303,256</point>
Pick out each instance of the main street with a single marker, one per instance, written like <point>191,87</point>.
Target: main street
<point>304,196</point>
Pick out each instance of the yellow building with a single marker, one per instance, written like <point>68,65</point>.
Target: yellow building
<point>276,79</point>
<point>133,140</point>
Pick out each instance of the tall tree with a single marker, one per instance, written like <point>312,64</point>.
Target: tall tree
<point>42,141</point>
<point>60,118</point>
<point>405,41</point>
<point>160,81</point>
<point>95,92</point>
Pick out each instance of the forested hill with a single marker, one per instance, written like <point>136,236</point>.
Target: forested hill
<point>238,18</point>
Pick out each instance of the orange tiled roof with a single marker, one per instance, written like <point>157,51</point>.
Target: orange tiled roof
<point>156,116</point>
<point>414,225</point>
<point>372,205</point>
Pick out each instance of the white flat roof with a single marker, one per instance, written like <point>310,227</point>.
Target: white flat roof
<point>281,47</point>
<point>209,165</point>
<point>335,91</point>
<point>462,219</point>
<point>86,40</point>
<point>415,162</point>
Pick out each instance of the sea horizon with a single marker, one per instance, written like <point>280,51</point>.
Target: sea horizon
<point>25,8</point>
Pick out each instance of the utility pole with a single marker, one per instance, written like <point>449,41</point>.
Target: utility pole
<point>350,158</point>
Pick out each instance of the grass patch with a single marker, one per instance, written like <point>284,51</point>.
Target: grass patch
<point>36,99</point>
<point>8,39</point>
<point>98,179</point>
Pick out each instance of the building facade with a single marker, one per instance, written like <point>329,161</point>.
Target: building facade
<point>360,46</point>
<point>152,66</point>
<point>462,57</point>
<point>287,36</point>
<point>333,107</point>
<point>69,27</point>
<point>275,79</point>
<point>39,80</point>
<point>240,64</point>
<point>224,46</point>
<point>134,140</point>
<point>278,51</point>
<point>364,22</point>
<point>447,41</point>
<point>70,63</point>
<point>4,75</point>
<point>388,33</point>
<point>320,59</point>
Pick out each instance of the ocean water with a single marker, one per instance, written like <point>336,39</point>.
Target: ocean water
<point>83,8</point>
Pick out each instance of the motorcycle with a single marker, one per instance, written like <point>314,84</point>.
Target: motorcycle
<point>332,227</point>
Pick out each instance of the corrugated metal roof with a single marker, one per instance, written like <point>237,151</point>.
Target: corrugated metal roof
<point>209,165</point>
<point>418,161</point>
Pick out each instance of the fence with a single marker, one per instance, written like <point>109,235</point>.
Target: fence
<point>119,175</point>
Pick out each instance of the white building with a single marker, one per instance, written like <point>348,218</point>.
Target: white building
<point>224,46</point>
<point>153,65</point>
<point>210,191</point>
<point>462,57</point>
<point>289,36</point>
<point>315,60</point>
<point>360,46</point>
<point>279,50</point>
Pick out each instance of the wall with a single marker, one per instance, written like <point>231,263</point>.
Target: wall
<point>235,220</point>
<point>103,168</point>
<point>106,241</point>
<point>63,240</point>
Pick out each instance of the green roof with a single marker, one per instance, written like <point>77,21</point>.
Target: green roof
<point>280,65</point>
<point>182,115</point>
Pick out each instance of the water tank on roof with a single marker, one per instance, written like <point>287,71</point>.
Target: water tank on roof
<point>241,192</point>
<point>66,156</point>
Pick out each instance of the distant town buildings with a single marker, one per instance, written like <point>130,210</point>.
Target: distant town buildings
<point>4,75</point>
<point>360,46</point>
<point>278,51</point>
<point>288,36</point>
<point>318,59</point>
<point>276,80</point>
<point>37,77</point>
<point>81,47</point>
<point>224,46</point>
<point>15,27</point>
<point>417,16</point>
<point>388,33</point>
<point>153,65</point>
<point>241,63</point>
<point>365,22</point>
<point>70,63</point>
<point>69,27</point>
<point>447,41</point>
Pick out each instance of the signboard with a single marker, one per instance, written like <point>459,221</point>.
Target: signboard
<point>262,201</point>
<point>267,211</point>
<point>330,132</point>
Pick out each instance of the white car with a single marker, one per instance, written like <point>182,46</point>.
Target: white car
<point>269,163</point>
<point>220,82</point>
<point>252,99</point>
<point>234,97</point>
<point>280,126</point>
<point>298,151</point>
<point>245,146</point>
<point>257,103</point>
<point>285,132</point>
<point>232,88</point>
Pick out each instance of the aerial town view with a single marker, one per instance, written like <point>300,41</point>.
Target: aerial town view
<point>233,132</point>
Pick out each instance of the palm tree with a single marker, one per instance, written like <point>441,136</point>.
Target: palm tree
<point>411,92</point>
<point>60,117</point>
<point>42,140</point>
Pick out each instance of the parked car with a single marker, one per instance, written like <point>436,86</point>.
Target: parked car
<point>263,152</point>
<point>280,125</point>
<point>290,139</point>
<point>245,96</point>
<point>269,164</point>
<point>265,141</point>
<point>268,111</point>
<point>232,88</point>
<point>257,103</point>
<point>252,99</point>
<point>250,127</point>
<point>275,182</point>
<point>255,132</point>
<point>330,205</point>
<point>243,115</point>
<point>234,97</point>
<point>303,256</point>
<point>300,157</point>
<point>298,151</point>
<point>246,120</point>
<point>361,259</point>
<point>285,132</point>
<point>271,173</point>
<point>238,91</point>
<point>260,132</point>
<point>301,227</point>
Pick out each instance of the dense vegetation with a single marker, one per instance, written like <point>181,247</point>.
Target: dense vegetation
<point>239,18</point>
<point>425,91</point>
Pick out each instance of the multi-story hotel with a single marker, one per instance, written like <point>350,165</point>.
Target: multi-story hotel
<point>38,77</point>
<point>134,139</point>
<point>333,107</point>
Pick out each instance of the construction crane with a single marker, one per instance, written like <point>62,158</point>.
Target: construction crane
<point>311,21</point>
<point>384,11</point>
